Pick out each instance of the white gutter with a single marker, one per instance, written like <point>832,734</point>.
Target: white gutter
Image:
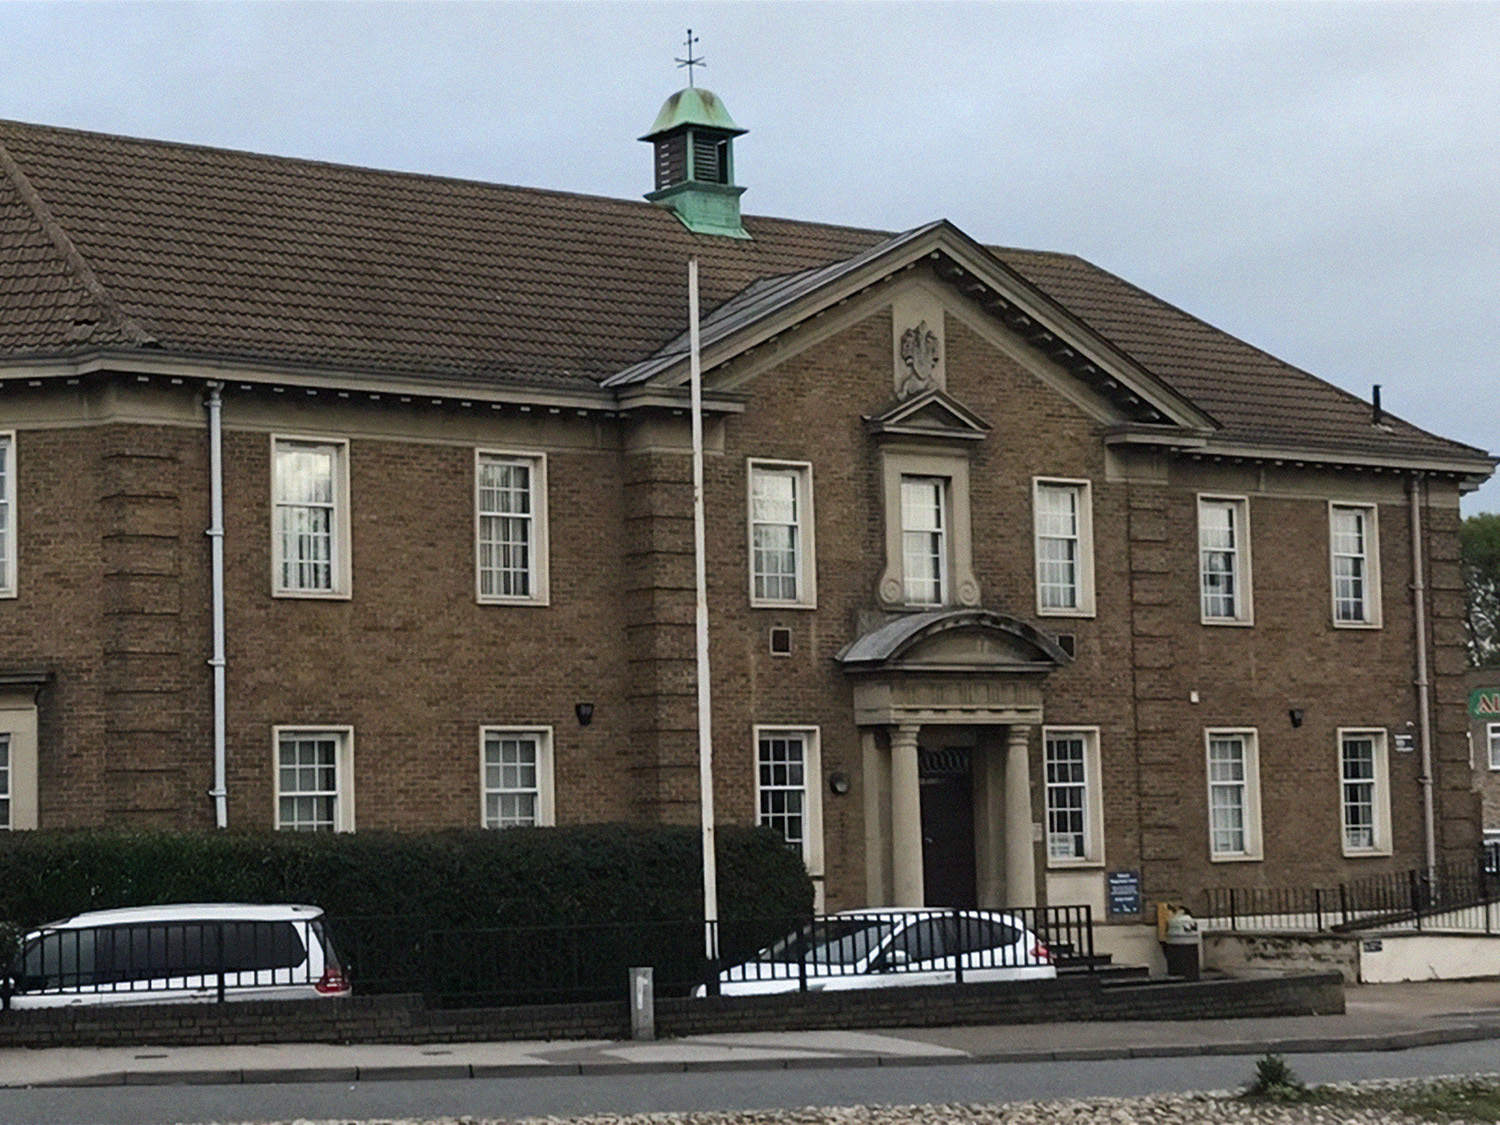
<point>216,544</point>
<point>1424,689</point>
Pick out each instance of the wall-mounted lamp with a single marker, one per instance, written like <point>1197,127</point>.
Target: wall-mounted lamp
<point>585,713</point>
<point>1295,714</point>
<point>838,783</point>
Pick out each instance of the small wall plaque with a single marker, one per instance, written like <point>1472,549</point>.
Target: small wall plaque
<point>1124,892</point>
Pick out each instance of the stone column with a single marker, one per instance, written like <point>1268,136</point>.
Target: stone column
<point>906,818</point>
<point>1020,862</point>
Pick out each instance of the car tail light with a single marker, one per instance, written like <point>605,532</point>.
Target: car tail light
<point>332,982</point>
<point>1041,953</point>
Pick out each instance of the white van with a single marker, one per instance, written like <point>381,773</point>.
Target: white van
<point>184,953</point>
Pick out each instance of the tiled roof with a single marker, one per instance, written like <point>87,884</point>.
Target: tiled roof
<point>109,242</point>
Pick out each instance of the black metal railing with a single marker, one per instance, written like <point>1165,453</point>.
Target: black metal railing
<point>873,947</point>
<point>506,965</point>
<point>1458,894</point>
<point>197,959</point>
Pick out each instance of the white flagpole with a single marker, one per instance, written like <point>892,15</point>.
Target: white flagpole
<point>705,714</point>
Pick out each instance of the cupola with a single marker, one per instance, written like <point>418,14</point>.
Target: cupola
<point>694,141</point>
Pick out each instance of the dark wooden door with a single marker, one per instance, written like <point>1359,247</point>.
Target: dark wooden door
<point>947,787</point>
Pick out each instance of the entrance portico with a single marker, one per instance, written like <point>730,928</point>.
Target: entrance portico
<point>949,694</point>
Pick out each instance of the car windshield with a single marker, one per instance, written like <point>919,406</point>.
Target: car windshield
<point>832,941</point>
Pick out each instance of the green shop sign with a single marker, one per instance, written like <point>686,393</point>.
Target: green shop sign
<point>1484,702</point>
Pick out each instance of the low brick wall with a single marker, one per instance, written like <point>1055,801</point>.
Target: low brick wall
<point>406,1019</point>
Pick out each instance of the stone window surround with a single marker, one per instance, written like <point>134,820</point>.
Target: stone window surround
<point>546,798</point>
<point>1382,795</point>
<point>18,720</point>
<point>807,573</point>
<point>1093,809</point>
<point>540,568</point>
<point>1372,618</point>
<point>1083,489</point>
<point>1244,614</point>
<point>10,585</point>
<point>1492,738</point>
<point>341,563</point>
<point>1250,740</point>
<point>897,463</point>
<point>343,808</point>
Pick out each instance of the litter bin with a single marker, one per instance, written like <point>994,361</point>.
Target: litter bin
<point>1182,945</point>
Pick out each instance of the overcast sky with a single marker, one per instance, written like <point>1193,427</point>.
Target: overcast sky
<point>1320,179</point>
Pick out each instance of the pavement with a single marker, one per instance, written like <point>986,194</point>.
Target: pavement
<point>1378,1017</point>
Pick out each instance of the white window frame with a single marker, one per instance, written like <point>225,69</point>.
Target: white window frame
<point>943,534</point>
<point>1082,540</point>
<point>18,732</point>
<point>8,583</point>
<point>1093,806</point>
<point>1249,786</point>
<point>339,563</point>
<point>545,793</point>
<point>812,791</point>
<point>1492,738</point>
<point>343,794</point>
<point>538,572</point>
<point>804,552</point>
<point>1371,558</point>
<point>1380,792</point>
<point>1244,602</point>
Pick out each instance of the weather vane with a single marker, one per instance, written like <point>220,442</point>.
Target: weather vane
<point>690,61</point>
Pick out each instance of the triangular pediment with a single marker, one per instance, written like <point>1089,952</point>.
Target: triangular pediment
<point>765,321</point>
<point>935,414</point>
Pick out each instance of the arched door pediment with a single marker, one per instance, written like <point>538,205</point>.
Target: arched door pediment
<point>951,666</point>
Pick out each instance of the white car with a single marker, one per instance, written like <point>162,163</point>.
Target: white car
<point>184,953</point>
<point>893,947</point>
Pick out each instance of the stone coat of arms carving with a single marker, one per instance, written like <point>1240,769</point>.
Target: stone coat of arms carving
<point>920,357</point>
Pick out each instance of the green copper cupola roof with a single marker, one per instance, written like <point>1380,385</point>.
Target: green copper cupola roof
<point>693,136</point>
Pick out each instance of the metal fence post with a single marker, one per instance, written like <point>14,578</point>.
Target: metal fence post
<point>1318,909</point>
<point>958,948</point>
<point>219,957</point>
<point>807,951</point>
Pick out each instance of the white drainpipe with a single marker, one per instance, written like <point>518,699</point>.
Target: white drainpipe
<point>216,543</point>
<point>1424,688</point>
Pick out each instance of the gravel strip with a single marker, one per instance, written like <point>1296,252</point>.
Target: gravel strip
<point>1218,1108</point>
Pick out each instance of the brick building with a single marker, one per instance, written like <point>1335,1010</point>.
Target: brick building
<point>1019,578</point>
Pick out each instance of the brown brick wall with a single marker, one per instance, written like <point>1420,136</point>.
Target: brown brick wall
<point>114,600</point>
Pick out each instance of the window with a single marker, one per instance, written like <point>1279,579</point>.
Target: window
<point>516,767</point>
<point>781,554</point>
<point>310,524</point>
<point>314,779</point>
<point>1064,548</point>
<point>1075,827</point>
<point>1492,733</point>
<point>928,536</point>
<point>924,539</point>
<point>1233,795</point>
<point>788,796</point>
<point>18,780</point>
<point>510,496</point>
<point>1364,792</point>
<point>7,515</point>
<point>1354,556</point>
<point>1224,560</point>
<point>5,818</point>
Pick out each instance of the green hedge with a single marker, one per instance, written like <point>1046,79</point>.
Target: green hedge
<point>587,874</point>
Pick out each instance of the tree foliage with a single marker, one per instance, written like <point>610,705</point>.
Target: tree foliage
<point>1480,547</point>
